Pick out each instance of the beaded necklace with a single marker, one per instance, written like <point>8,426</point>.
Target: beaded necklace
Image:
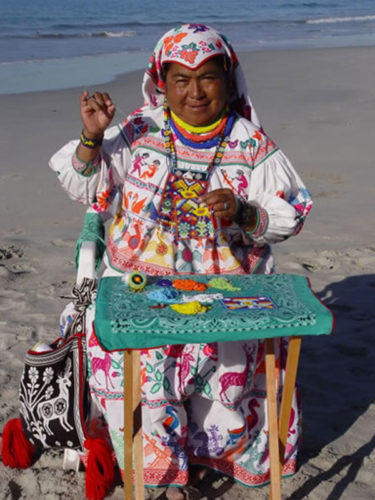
<point>208,139</point>
<point>220,141</point>
<point>203,129</point>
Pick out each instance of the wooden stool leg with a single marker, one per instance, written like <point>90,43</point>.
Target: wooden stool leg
<point>138,437</point>
<point>128,424</point>
<point>287,396</point>
<point>273,428</point>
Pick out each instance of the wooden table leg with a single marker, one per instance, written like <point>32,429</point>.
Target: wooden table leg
<point>273,428</point>
<point>128,424</point>
<point>287,396</point>
<point>138,435</point>
<point>133,426</point>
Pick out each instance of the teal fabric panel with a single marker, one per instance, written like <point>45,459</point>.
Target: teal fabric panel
<point>124,319</point>
<point>92,230</point>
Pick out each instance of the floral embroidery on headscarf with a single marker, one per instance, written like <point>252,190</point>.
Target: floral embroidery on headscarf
<point>191,45</point>
<point>172,41</point>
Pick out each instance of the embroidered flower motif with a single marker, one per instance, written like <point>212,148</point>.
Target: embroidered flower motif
<point>188,55</point>
<point>184,263</point>
<point>47,375</point>
<point>206,47</point>
<point>104,200</point>
<point>197,28</point>
<point>170,41</point>
<point>33,375</point>
<point>211,351</point>
<point>161,249</point>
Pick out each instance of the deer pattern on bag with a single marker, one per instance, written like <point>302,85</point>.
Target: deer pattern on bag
<point>47,403</point>
<point>57,407</point>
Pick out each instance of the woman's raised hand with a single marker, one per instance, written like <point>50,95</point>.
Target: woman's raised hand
<point>221,202</point>
<point>97,112</point>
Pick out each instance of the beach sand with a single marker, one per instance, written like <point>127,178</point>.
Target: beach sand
<point>318,105</point>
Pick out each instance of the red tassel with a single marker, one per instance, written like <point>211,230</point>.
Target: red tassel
<point>100,472</point>
<point>16,449</point>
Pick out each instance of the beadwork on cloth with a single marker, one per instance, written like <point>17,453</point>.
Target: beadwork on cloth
<point>180,207</point>
<point>264,306</point>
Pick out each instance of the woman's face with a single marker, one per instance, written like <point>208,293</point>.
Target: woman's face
<point>197,96</point>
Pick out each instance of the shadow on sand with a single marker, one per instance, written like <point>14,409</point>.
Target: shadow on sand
<point>336,378</point>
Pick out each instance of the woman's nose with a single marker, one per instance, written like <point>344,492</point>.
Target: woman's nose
<point>196,89</point>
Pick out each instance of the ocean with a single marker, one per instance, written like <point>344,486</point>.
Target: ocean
<point>67,43</point>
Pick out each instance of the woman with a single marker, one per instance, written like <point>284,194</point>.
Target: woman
<point>197,138</point>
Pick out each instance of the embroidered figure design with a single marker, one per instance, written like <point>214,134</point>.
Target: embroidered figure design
<point>57,408</point>
<point>151,170</point>
<point>103,364</point>
<point>242,184</point>
<point>139,163</point>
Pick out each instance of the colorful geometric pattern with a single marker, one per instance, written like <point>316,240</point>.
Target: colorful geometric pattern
<point>181,208</point>
<point>258,302</point>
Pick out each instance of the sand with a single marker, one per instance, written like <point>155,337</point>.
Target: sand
<point>318,105</point>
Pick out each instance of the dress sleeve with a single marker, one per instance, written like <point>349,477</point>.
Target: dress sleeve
<point>281,198</point>
<point>96,182</point>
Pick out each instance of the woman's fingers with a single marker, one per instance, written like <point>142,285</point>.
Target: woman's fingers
<point>221,202</point>
<point>97,111</point>
<point>98,101</point>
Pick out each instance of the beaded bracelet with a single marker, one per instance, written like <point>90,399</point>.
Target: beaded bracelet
<point>90,143</point>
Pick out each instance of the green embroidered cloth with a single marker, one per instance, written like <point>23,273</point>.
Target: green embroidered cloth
<point>270,306</point>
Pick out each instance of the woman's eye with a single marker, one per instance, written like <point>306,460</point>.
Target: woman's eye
<point>209,78</point>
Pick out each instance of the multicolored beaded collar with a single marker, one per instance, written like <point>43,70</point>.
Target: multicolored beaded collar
<point>220,141</point>
<point>206,140</point>
<point>204,129</point>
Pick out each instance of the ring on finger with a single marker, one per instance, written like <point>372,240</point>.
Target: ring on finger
<point>225,207</point>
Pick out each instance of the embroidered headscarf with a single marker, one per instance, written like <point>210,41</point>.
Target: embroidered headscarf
<point>191,45</point>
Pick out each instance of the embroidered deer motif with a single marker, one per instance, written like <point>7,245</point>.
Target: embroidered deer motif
<point>57,408</point>
<point>103,364</point>
<point>237,379</point>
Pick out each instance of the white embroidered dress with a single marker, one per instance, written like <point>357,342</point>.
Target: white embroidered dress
<point>201,403</point>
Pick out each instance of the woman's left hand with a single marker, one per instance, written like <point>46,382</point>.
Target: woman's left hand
<point>221,202</point>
